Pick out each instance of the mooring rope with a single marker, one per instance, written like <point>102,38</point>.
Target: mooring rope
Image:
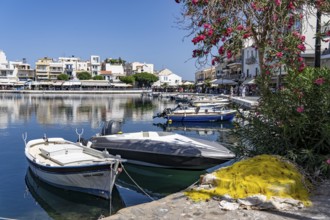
<point>136,183</point>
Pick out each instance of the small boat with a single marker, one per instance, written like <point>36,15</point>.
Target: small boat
<point>71,166</point>
<point>198,114</point>
<point>209,101</point>
<point>63,204</point>
<point>162,149</point>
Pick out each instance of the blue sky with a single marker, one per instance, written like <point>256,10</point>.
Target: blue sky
<point>135,30</point>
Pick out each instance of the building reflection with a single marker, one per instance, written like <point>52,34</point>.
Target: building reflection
<point>74,109</point>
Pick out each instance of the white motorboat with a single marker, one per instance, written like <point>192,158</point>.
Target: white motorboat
<point>71,166</point>
<point>162,149</point>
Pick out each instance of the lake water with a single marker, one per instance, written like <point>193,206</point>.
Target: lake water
<point>22,196</point>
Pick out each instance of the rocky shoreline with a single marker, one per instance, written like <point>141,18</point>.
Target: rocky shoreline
<point>178,206</point>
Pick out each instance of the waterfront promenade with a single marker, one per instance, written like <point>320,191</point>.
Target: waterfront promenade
<point>109,91</point>
<point>178,207</point>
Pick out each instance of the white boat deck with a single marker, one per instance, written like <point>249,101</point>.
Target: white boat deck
<point>62,154</point>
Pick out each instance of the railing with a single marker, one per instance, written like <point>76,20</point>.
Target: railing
<point>250,60</point>
<point>236,61</point>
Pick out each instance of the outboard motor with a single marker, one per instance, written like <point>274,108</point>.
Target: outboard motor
<point>111,127</point>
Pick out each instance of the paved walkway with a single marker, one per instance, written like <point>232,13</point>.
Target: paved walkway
<point>178,207</point>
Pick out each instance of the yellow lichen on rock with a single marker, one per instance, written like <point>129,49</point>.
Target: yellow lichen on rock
<point>265,174</point>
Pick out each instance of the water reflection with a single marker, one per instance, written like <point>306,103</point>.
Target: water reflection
<point>62,204</point>
<point>59,116</point>
<point>74,109</point>
<point>154,183</point>
<point>220,129</point>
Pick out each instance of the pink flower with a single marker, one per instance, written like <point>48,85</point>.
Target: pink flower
<point>240,27</point>
<point>301,47</point>
<point>300,109</point>
<point>221,50</point>
<point>302,38</point>
<point>207,26</point>
<point>319,81</point>
<point>246,35</point>
<point>279,54</point>
<point>302,67</point>
<point>328,161</point>
<point>229,31</point>
<point>278,2</point>
<point>229,54</point>
<point>291,6</point>
<point>209,32</point>
<point>194,2</point>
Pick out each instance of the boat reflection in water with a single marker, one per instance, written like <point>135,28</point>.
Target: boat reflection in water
<point>201,128</point>
<point>152,183</point>
<point>63,204</point>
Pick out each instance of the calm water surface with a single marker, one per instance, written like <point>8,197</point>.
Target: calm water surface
<point>23,196</point>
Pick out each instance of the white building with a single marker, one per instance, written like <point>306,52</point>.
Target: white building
<point>137,67</point>
<point>308,29</point>
<point>8,70</point>
<point>167,77</point>
<point>95,65</point>
<point>112,72</point>
<point>70,65</point>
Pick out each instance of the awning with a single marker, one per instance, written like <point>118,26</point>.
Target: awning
<point>249,82</point>
<point>225,82</point>
<point>71,83</point>
<point>120,85</point>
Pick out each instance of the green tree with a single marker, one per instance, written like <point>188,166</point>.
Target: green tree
<point>165,86</point>
<point>63,77</point>
<point>145,79</point>
<point>98,77</point>
<point>127,79</point>
<point>84,76</point>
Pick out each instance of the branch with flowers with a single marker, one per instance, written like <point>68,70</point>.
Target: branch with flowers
<point>222,27</point>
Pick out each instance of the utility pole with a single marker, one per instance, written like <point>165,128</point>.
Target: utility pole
<point>317,59</point>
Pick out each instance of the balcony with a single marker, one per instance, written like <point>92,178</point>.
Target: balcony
<point>234,62</point>
<point>41,70</point>
<point>251,60</point>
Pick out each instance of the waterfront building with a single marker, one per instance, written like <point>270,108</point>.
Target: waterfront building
<point>8,71</point>
<point>70,65</point>
<point>95,65</point>
<point>24,71</point>
<point>112,70</point>
<point>167,77</point>
<point>42,68</point>
<point>205,74</point>
<point>325,58</point>
<point>137,67</point>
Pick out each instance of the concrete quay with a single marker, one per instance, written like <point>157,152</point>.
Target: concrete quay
<point>178,207</point>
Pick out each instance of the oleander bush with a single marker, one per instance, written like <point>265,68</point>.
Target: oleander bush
<point>294,122</point>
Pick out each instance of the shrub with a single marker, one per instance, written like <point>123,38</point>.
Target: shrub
<point>294,122</point>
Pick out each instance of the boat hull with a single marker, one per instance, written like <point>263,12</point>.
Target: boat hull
<point>200,117</point>
<point>166,161</point>
<point>94,180</point>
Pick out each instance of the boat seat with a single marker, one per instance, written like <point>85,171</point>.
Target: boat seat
<point>53,150</point>
<point>65,154</point>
